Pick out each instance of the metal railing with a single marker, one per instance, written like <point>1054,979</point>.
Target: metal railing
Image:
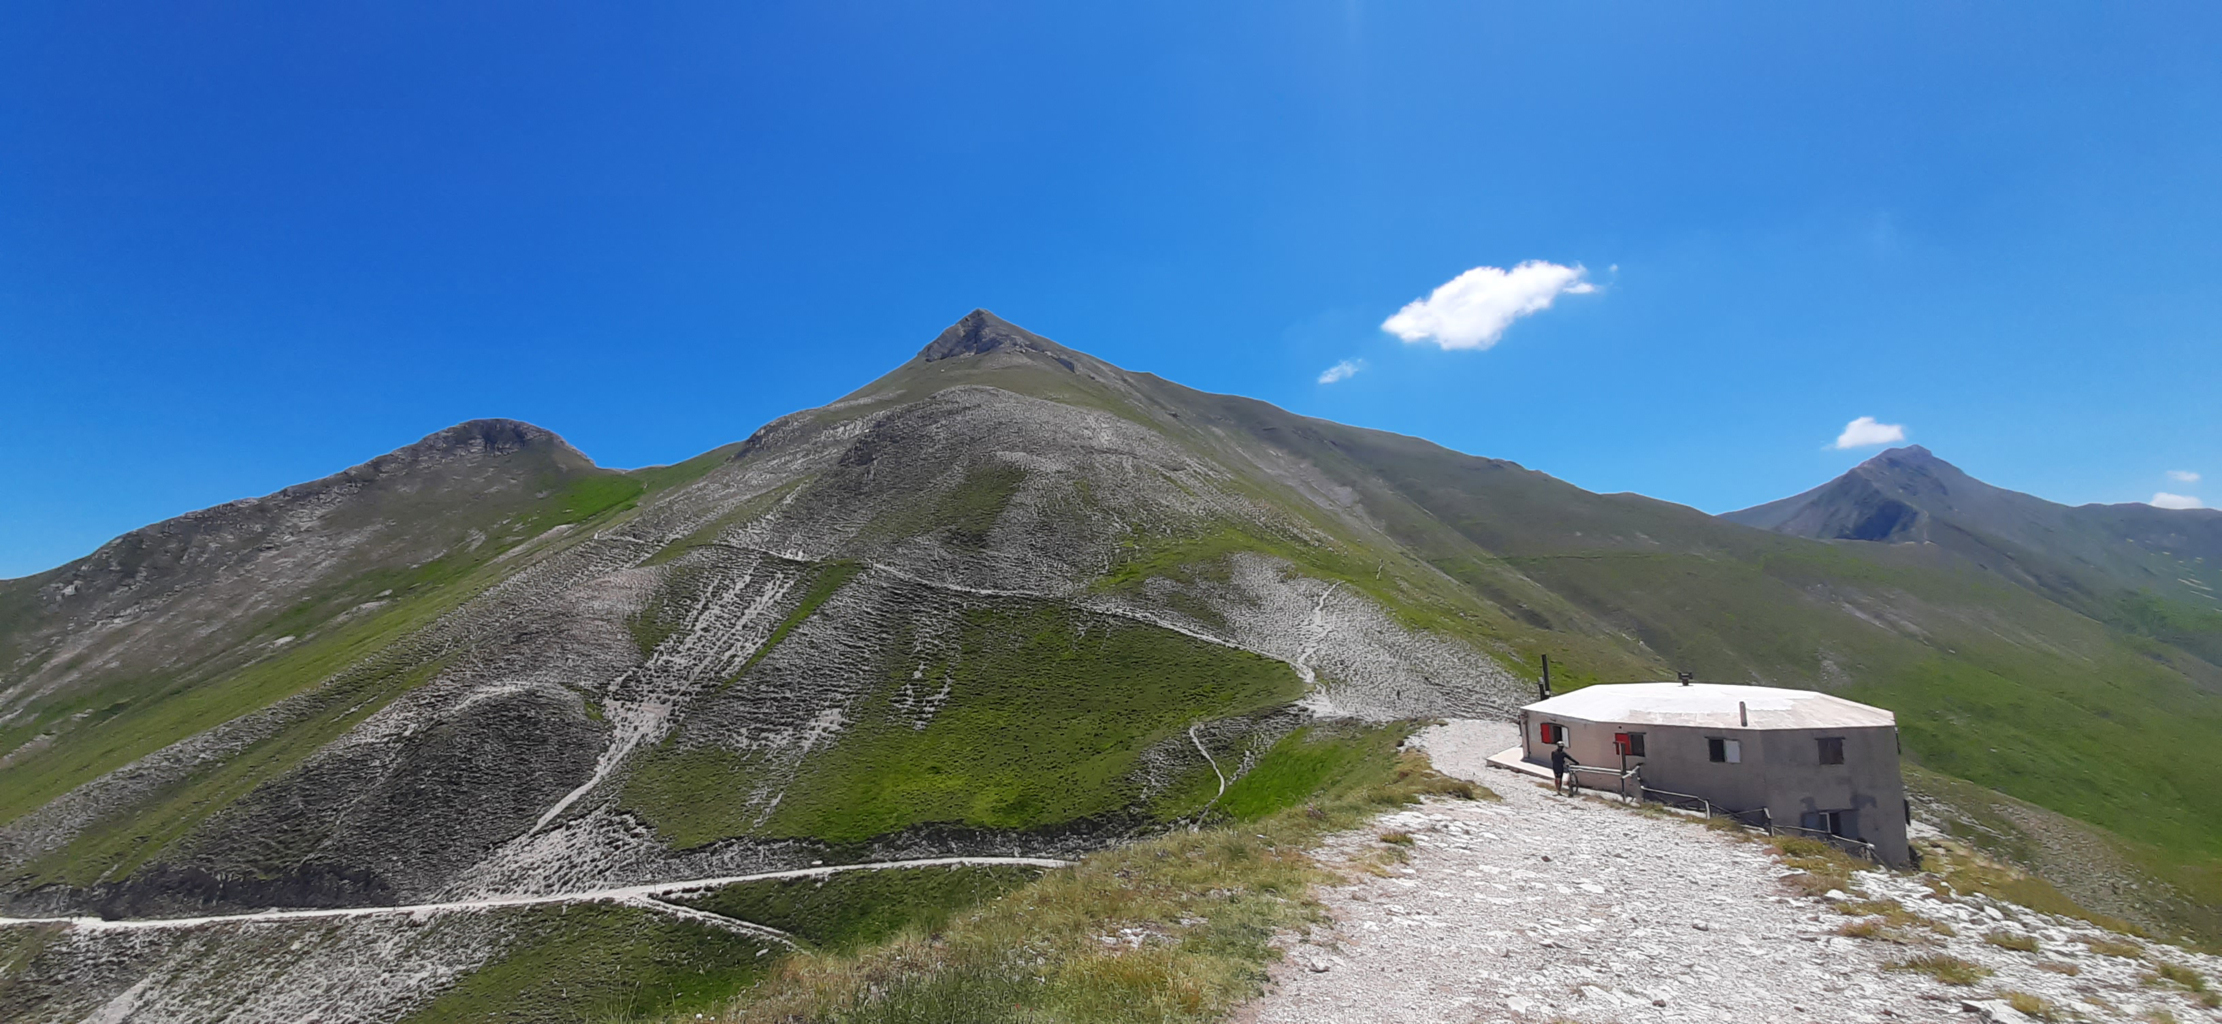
<point>1762,820</point>
<point>1682,800</point>
<point>1757,818</point>
<point>1620,778</point>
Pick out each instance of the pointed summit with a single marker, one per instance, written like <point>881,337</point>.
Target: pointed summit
<point>982,332</point>
<point>1911,453</point>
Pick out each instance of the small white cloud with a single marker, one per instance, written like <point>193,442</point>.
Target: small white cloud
<point>2183,476</point>
<point>1342,371</point>
<point>1864,432</point>
<point>2163,499</point>
<point>1473,309</point>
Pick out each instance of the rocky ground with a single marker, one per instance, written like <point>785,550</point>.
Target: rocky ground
<point>1546,908</point>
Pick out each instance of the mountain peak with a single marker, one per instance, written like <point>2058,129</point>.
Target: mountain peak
<point>1911,456</point>
<point>981,332</point>
<point>469,441</point>
<point>494,436</point>
<point>1909,453</point>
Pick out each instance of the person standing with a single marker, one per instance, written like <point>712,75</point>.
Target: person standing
<point>1559,760</point>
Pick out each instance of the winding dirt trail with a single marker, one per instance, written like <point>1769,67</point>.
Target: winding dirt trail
<point>648,896</point>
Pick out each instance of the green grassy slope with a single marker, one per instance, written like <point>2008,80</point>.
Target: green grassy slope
<point>858,908</point>
<point>1046,714</point>
<point>1993,682</point>
<point>603,962</point>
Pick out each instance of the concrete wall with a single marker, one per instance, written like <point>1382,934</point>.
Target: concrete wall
<point>1781,771</point>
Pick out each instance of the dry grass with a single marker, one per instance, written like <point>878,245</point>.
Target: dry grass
<point>2113,947</point>
<point>2060,967</point>
<point>2178,974</point>
<point>2036,1007</point>
<point>1397,838</point>
<point>1173,929</point>
<point>1950,970</point>
<point>1820,866</point>
<point>2188,979</point>
<point>1960,870</point>
<point>1865,928</point>
<point>2016,941</point>
<point>1892,914</point>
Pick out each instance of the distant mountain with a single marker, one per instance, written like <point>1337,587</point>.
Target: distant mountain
<point>2150,570</point>
<point>1008,598</point>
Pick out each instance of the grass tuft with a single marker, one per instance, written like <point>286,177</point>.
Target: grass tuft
<point>1865,928</point>
<point>1823,867</point>
<point>2016,941</point>
<point>2113,947</point>
<point>2188,979</point>
<point>1886,919</point>
<point>2035,1007</point>
<point>1950,970</point>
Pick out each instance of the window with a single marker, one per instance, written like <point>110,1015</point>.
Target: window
<point>1553,733</point>
<point>1725,751</point>
<point>1835,823</point>
<point>1832,749</point>
<point>1628,744</point>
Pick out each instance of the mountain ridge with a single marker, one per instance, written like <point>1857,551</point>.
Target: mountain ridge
<point>2147,569</point>
<point>1009,598</point>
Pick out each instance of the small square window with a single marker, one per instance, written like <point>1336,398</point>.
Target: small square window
<point>1554,732</point>
<point>1832,749</point>
<point>1724,751</point>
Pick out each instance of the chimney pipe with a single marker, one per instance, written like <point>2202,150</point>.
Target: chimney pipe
<point>1685,677</point>
<point>1743,715</point>
<point>1544,687</point>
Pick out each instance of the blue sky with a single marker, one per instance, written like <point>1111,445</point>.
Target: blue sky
<point>246,245</point>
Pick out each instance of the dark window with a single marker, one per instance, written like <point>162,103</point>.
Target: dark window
<point>1554,732</point>
<point>1835,823</point>
<point>1716,749</point>
<point>1631,744</point>
<point>1832,749</point>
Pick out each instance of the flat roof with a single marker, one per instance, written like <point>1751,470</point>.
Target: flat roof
<point>1711,706</point>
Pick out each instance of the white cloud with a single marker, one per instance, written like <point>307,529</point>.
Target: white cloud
<point>2183,476</point>
<point>2163,499</point>
<point>1864,432</point>
<point>1473,309</point>
<point>1342,371</point>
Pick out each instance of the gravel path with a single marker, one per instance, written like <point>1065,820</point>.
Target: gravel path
<point>648,895</point>
<point>1546,908</point>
